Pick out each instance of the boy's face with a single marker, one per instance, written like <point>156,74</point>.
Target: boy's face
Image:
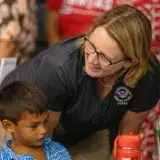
<point>31,129</point>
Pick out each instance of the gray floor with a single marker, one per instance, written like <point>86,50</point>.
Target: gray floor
<point>96,147</point>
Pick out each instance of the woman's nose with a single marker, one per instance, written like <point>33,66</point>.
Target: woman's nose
<point>92,58</point>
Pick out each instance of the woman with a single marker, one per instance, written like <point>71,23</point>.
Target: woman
<point>107,79</point>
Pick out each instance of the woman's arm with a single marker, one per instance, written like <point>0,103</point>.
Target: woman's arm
<point>7,49</point>
<point>52,27</point>
<point>131,122</point>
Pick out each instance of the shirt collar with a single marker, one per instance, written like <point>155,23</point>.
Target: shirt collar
<point>6,150</point>
<point>83,72</point>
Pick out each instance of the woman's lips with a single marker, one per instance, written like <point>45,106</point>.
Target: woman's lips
<point>94,67</point>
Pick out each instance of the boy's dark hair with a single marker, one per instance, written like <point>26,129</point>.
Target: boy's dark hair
<point>20,97</point>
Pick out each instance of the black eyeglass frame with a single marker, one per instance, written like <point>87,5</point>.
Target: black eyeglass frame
<point>95,51</point>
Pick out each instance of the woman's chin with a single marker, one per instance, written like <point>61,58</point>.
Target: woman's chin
<point>93,72</point>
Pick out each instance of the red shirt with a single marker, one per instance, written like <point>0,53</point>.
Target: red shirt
<point>77,15</point>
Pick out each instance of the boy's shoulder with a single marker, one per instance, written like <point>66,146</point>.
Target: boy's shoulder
<point>55,150</point>
<point>7,154</point>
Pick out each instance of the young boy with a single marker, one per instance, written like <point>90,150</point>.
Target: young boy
<point>23,113</point>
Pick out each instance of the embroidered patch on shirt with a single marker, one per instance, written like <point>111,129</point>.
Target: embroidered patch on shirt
<point>122,95</point>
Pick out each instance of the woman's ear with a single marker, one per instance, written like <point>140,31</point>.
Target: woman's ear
<point>8,126</point>
<point>131,63</point>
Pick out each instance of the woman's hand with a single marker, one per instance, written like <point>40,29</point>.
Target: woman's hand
<point>131,122</point>
<point>54,118</point>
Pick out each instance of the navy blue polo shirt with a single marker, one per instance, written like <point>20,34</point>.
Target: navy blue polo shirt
<point>59,72</point>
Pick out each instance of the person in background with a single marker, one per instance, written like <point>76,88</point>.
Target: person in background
<point>18,29</point>
<point>41,43</point>
<point>23,113</point>
<point>66,18</point>
<point>106,79</point>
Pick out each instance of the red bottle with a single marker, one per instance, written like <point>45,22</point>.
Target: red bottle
<point>128,147</point>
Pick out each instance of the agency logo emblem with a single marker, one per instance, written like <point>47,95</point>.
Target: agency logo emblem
<point>122,95</point>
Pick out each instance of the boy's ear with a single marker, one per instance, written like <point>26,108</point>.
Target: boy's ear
<point>8,126</point>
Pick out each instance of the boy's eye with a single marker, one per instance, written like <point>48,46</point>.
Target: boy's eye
<point>34,126</point>
<point>46,121</point>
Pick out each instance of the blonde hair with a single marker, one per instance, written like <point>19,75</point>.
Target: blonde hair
<point>133,32</point>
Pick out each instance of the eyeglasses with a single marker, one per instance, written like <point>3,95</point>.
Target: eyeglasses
<point>100,56</point>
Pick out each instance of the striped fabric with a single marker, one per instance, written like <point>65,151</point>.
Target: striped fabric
<point>147,132</point>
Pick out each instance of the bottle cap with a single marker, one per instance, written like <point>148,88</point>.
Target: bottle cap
<point>129,140</point>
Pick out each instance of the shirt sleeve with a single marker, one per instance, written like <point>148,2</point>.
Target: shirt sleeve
<point>45,72</point>
<point>60,152</point>
<point>50,79</point>
<point>147,92</point>
<point>53,4</point>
